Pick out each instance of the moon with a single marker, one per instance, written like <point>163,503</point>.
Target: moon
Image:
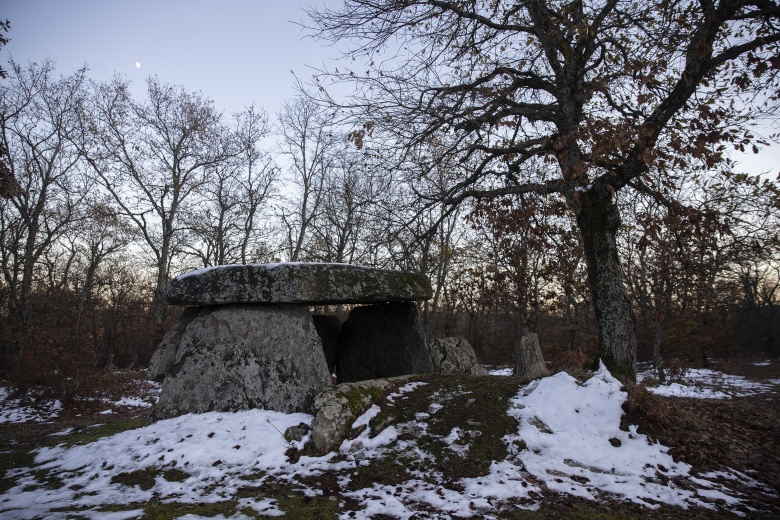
<point>137,64</point>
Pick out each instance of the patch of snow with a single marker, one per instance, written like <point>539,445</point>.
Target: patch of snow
<point>574,445</point>
<point>15,411</point>
<point>450,440</point>
<point>681,390</point>
<point>408,387</point>
<point>215,449</point>
<point>704,383</point>
<point>66,431</point>
<point>265,507</point>
<point>204,270</point>
<point>364,419</point>
<point>506,371</point>
<point>134,402</point>
<point>762,363</point>
<point>370,447</point>
<point>568,440</point>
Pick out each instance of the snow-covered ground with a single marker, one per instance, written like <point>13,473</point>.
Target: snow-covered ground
<point>31,408</point>
<point>20,410</point>
<point>704,383</point>
<point>568,440</point>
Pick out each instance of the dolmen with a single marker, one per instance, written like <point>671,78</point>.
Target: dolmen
<point>248,340</point>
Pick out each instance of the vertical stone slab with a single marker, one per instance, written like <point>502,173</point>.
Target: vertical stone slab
<point>329,329</point>
<point>243,356</point>
<point>165,354</point>
<point>383,340</point>
<point>529,362</point>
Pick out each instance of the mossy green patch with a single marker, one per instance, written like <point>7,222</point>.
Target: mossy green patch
<point>175,475</point>
<point>358,396</point>
<point>48,479</point>
<point>86,435</point>
<point>143,478</point>
<point>296,504</point>
<point>255,475</point>
<point>572,508</point>
<point>476,406</point>
<point>156,510</point>
<point>12,460</point>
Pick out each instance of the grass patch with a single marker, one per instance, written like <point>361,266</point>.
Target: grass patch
<point>156,510</point>
<point>572,508</point>
<point>11,460</point>
<point>143,478</point>
<point>175,475</point>
<point>97,432</point>
<point>295,504</point>
<point>475,405</point>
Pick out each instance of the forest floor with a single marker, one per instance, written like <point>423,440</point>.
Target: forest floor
<point>449,436</point>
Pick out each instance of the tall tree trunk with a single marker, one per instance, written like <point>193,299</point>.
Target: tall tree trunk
<point>598,220</point>
<point>658,360</point>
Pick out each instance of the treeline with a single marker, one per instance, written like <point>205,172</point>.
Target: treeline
<point>106,197</point>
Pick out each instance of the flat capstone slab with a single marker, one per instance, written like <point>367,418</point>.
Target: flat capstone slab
<point>301,283</point>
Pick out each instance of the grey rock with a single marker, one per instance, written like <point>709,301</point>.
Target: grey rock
<point>165,355</point>
<point>304,283</point>
<point>379,341</point>
<point>529,363</point>
<point>336,409</point>
<point>455,356</point>
<point>239,357</point>
<point>328,328</point>
<point>296,433</point>
<point>479,370</point>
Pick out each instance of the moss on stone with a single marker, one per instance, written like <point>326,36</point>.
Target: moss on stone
<point>359,397</point>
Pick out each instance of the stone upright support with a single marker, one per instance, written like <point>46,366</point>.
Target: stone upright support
<point>382,341</point>
<point>237,357</point>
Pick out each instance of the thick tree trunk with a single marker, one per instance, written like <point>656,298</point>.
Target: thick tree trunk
<point>598,220</point>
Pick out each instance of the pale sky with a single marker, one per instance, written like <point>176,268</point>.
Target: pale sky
<point>235,52</point>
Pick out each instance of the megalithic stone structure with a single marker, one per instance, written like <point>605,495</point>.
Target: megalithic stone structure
<point>247,339</point>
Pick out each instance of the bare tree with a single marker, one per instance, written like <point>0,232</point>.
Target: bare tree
<point>8,184</point>
<point>351,192</point>
<point>153,157</point>
<point>102,236</point>
<point>680,260</point>
<point>39,121</point>
<point>225,226</point>
<point>578,99</point>
<point>309,144</point>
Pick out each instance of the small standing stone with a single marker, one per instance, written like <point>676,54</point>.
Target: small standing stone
<point>455,356</point>
<point>336,409</point>
<point>529,362</point>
